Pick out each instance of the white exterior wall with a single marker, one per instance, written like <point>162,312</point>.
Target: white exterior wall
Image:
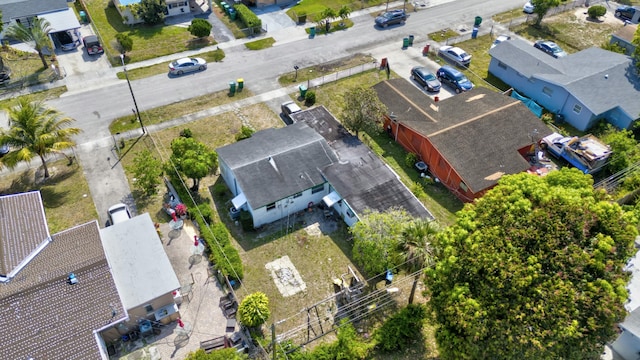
<point>287,206</point>
<point>178,7</point>
<point>344,210</point>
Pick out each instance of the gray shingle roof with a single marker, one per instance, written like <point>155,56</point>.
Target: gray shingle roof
<point>478,132</point>
<point>360,177</point>
<point>23,227</point>
<point>582,74</point>
<point>43,316</point>
<point>275,163</point>
<point>12,9</point>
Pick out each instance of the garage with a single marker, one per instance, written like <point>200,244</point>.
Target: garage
<point>65,32</point>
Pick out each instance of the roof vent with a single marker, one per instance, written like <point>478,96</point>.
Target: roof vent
<point>606,76</point>
<point>72,279</point>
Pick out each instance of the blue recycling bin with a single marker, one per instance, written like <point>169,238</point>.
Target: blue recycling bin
<point>474,33</point>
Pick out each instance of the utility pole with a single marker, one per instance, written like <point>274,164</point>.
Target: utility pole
<point>136,111</point>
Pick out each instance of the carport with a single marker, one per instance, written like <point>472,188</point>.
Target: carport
<point>62,21</point>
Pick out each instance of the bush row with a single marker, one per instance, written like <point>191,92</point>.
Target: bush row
<point>248,17</point>
<point>225,256</point>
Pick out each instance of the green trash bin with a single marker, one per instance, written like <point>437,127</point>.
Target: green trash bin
<point>405,43</point>
<point>233,14</point>
<point>303,91</point>
<point>83,16</point>
<point>411,40</point>
<point>232,87</point>
<point>478,21</point>
<point>240,84</point>
<point>226,8</point>
<point>312,31</point>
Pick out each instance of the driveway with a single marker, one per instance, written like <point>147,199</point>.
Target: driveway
<point>273,18</point>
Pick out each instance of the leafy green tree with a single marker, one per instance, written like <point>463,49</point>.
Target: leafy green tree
<point>596,11</point>
<point>327,15</point>
<point>532,270</point>
<point>376,238</point>
<point>254,309</point>
<point>125,42</point>
<point>362,109</point>
<point>222,354</point>
<point>415,249</point>
<point>147,171</point>
<point>35,130</point>
<point>193,159</point>
<point>401,329</point>
<point>626,150</point>
<point>636,52</point>
<point>152,11</point>
<point>37,35</point>
<point>200,28</point>
<point>541,7</point>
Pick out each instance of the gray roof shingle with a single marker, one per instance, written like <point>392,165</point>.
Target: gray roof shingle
<point>600,79</point>
<point>12,9</point>
<point>275,163</point>
<point>478,132</point>
<point>23,228</point>
<point>43,316</point>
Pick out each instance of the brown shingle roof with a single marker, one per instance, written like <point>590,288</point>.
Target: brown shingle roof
<point>478,132</point>
<point>23,227</point>
<point>43,316</point>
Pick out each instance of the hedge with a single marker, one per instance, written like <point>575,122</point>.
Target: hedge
<point>248,17</point>
<point>231,266</point>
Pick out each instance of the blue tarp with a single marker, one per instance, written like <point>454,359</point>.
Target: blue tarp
<point>535,108</point>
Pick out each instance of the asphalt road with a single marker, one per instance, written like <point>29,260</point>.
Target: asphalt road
<point>107,98</point>
<point>94,109</point>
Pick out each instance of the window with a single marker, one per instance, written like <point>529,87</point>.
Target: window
<point>317,189</point>
<point>577,108</point>
<point>148,308</point>
<point>297,195</point>
<point>547,91</point>
<point>271,206</point>
<point>464,187</point>
<point>502,65</point>
<point>350,214</point>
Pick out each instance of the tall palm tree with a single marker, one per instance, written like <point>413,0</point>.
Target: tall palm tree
<point>416,250</point>
<point>35,130</point>
<point>36,35</point>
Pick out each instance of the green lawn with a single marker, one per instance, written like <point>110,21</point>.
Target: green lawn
<point>148,41</point>
<point>65,195</point>
<point>313,8</point>
<point>260,44</point>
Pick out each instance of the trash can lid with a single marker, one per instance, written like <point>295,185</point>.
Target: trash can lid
<point>302,87</point>
<point>240,80</point>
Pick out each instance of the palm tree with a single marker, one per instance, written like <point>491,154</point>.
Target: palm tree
<point>37,35</point>
<point>35,130</point>
<point>416,250</point>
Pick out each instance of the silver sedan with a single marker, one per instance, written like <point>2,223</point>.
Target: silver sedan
<point>185,65</point>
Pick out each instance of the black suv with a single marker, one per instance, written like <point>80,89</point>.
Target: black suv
<point>391,17</point>
<point>92,44</point>
<point>626,12</point>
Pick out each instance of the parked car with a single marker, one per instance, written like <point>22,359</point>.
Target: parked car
<point>425,78</point>
<point>67,40</point>
<point>4,150</point>
<point>550,48</point>
<point>288,108</point>
<point>455,55</point>
<point>528,8</point>
<point>499,39</point>
<point>119,213</point>
<point>454,78</point>
<point>184,65</point>
<point>92,44</point>
<point>391,18</point>
<point>626,12</point>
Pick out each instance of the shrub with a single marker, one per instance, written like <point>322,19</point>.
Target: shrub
<point>186,133</point>
<point>205,211</point>
<point>220,189</point>
<point>200,28</point>
<point>222,252</point>
<point>125,43</point>
<point>310,98</point>
<point>254,309</point>
<point>246,220</point>
<point>248,17</point>
<point>401,329</point>
<point>596,11</point>
<point>410,159</point>
<point>547,118</point>
<point>245,133</point>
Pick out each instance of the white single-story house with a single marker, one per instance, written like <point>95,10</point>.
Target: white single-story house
<point>60,16</point>
<point>278,172</point>
<point>126,8</point>
<point>584,87</point>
